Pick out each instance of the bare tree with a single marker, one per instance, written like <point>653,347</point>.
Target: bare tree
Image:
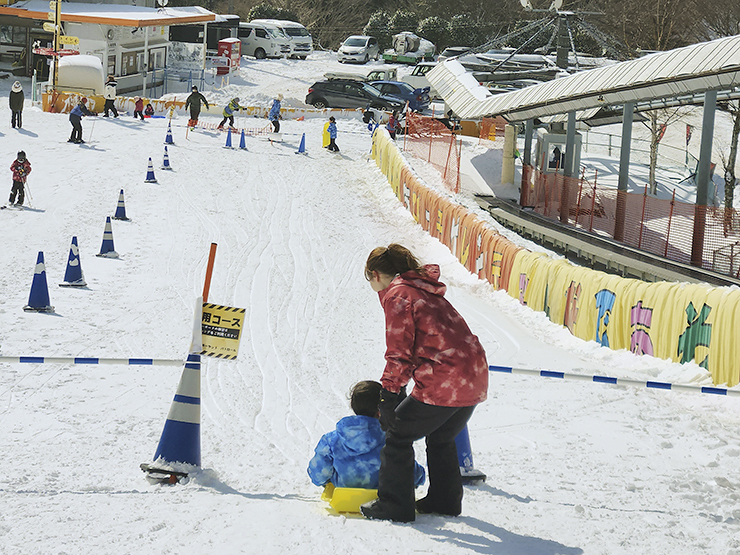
<point>658,123</point>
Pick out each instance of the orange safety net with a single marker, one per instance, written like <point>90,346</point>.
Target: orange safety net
<point>703,236</point>
<point>430,139</point>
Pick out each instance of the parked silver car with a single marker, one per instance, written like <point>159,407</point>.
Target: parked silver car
<point>359,48</point>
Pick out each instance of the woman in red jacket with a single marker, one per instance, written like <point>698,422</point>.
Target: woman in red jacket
<point>428,341</point>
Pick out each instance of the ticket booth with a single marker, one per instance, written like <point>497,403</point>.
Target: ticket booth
<point>550,152</point>
<point>229,52</point>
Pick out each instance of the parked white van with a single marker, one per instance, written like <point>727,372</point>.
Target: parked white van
<point>262,42</point>
<point>301,41</point>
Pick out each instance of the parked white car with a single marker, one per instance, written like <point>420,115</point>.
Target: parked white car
<point>418,78</point>
<point>301,41</point>
<point>359,48</point>
<point>263,42</point>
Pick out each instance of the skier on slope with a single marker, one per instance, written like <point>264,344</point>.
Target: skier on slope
<point>193,102</point>
<point>15,100</point>
<point>75,118</point>
<point>20,167</point>
<point>274,115</point>
<point>228,113</point>
<point>110,97</point>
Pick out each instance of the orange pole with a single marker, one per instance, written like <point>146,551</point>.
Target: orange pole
<point>209,271</point>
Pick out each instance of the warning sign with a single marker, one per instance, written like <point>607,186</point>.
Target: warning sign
<point>221,329</point>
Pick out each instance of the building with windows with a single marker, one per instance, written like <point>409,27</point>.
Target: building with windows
<point>131,39</point>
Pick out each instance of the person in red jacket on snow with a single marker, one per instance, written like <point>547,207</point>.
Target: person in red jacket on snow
<point>20,167</point>
<point>428,341</point>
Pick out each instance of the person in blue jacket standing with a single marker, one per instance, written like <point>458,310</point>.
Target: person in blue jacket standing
<point>75,118</point>
<point>332,129</point>
<point>349,456</point>
<point>274,115</point>
<point>228,112</point>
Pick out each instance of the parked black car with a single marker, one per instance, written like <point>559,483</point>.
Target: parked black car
<point>348,93</point>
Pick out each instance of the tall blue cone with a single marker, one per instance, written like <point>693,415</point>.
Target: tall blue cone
<point>120,208</point>
<point>242,142</point>
<point>150,173</point>
<point>168,138</point>
<point>228,139</point>
<point>74,277</point>
<point>180,440</point>
<point>107,249</point>
<point>38,300</point>
<point>166,162</point>
<point>465,459</point>
<point>302,146</point>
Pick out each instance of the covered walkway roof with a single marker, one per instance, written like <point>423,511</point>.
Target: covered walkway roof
<point>111,14</point>
<point>688,71</point>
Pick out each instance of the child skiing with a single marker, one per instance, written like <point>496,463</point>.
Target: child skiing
<point>20,167</point>
<point>139,108</point>
<point>332,129</point>
<point>349,456</point>
<point>75,118</point>
<point>228,113</point>
<point>274,115</point>
<point>110,97</point>
<point>16,104</point>
<point>193,103</point>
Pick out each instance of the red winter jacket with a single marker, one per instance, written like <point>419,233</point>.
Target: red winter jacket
<point>427,340</point>
<point>20,169</point>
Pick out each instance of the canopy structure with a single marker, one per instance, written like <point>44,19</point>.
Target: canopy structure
<point>683,72</point>
<point>111,14</point>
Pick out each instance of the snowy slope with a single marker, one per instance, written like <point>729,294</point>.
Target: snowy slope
<point>572,467</point>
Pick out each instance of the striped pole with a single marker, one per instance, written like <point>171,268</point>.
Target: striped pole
<point>650,384</point>
<point>91,360</point>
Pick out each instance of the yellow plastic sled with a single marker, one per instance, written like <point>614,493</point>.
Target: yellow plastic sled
<point>324,143</point>
<point>347,500</point>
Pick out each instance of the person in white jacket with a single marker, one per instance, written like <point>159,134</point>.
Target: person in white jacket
<point>110,96</point>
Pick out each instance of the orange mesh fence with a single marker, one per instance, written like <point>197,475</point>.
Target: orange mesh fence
<point>430,139</point>
<point>492,132</point>
<point>659,226</point>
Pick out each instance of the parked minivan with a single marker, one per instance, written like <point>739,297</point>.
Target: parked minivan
<point>262,42</point>
<point>301,41</point>
<point>358,48</point>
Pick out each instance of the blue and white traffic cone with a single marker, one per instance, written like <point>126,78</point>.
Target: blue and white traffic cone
<point>166,162</point>
<point>120,208</point>
<point>38,300</point>
<point>74,277</point>
<point>168,138</point>
<point>180,440</point>
<point>302,146</point>
<point>107,250</point>
<point>228,138</point>
<point>465,458</point>
<point>150,173</point>
<point>242,142</point>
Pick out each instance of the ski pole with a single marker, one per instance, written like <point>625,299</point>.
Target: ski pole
<point>89,137</point>
<point>28,192</point>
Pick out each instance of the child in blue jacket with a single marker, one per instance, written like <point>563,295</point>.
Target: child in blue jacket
<point>332,129</point>
<point>349,457</point>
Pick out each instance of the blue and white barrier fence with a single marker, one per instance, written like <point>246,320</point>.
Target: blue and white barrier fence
<point>92,360</point>
<point>615,381</point>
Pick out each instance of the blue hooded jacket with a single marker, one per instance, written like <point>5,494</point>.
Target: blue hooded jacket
<point>274,110</point>
<point>349,457</point>
<point>332,129</point>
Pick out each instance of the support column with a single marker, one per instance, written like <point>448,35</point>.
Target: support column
<point>570,146</point>
<point>526,183</point>
<point>145,69</point>
<point>702,177</point>
<point>624,170</point>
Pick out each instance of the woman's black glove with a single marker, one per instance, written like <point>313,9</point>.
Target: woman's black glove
<point>388,403</point>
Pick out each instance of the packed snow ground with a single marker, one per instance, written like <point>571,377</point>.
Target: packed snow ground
<point>572,467</point>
